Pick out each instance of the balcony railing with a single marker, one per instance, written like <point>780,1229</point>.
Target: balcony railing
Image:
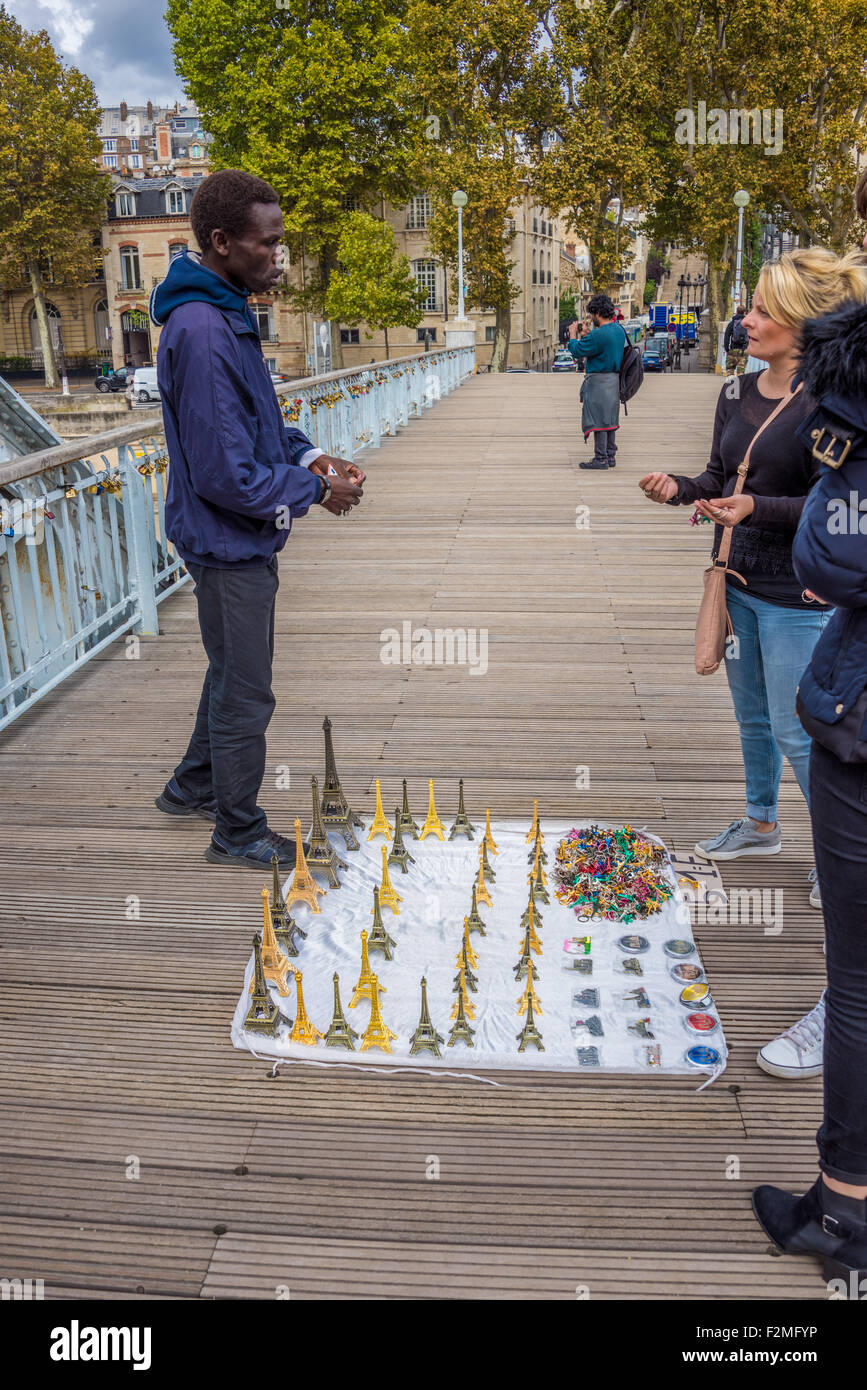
<point>84,554</point>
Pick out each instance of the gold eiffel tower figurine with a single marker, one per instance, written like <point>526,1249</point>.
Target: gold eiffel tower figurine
<point>536,869</point>
<point>377,1033</point>
<point>537,883</point>
<point>460,986</point>
<point>425,1038</point>
<point>274,964</point>
<point>489,839</point>
<point>399,854</point>
<point>406,820</point>
<point>462,824</point>
<point>379,825</point>
<point>531,933</point>
<point>531,833</point>
<point>482,894</point>
<point>486,863</point>
<point>339,1032</point>
<point>529,997</point>
<point>464,967</point>
<point>471,957</point>
<point>365,980</point>
<point>336,810</point>
<point>303,1032</point>
<point>388,894</point>
<point>525,964</point>
<point>475,921</point>
<point>285,927</point>
<point>537,916</point>
<point>461,1028</point>
<point>303,888</point>
<point>538,846</point>
<point>433,825</point>
<point>263,1016</point>
<point>530,1033</point>
<point>379,939</point>
<point>322,857</point>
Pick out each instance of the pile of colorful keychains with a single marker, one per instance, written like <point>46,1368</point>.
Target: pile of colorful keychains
<point>620,875</point>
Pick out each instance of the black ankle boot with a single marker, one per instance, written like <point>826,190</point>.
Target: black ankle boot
<point>822,1222</point>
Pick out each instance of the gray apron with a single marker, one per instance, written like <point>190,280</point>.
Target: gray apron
<point>600,397</point>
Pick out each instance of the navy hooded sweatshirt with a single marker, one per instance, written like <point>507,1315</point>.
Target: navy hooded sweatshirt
<point>237,476</point>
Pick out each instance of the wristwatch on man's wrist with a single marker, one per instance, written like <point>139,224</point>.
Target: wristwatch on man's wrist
<point>326,490</point>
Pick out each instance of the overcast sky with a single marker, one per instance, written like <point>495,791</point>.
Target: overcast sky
<point>122,45</point>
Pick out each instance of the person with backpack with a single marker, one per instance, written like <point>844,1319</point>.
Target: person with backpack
<point>736,342</point>
<point>603,349</point>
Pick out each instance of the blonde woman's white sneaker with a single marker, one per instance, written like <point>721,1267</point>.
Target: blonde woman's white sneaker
<point>797,1053</point>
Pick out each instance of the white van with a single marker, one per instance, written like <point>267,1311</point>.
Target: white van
<point>144,384</point>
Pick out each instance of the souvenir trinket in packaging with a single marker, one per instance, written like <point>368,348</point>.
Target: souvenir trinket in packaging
<point>587,1056</point>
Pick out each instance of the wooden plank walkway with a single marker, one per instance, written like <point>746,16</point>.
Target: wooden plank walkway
<point>116,1032</point>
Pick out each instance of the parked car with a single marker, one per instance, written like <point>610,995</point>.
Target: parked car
<point>564,362</point>
<point>653,362</point>
<point>664,345</point>
<point>520,369</point>
<point>144,385</point>
<point>113,381</point>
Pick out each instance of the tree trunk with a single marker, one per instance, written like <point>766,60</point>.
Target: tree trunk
<point>52,380</point>
<point>502,335</point>
<point>336,348</point>
<point>385,331</point>
<point>716,306</point>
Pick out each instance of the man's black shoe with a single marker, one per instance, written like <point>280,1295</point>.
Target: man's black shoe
<point>172,803</point>
<point>594,463</point>
<point>257,854</point>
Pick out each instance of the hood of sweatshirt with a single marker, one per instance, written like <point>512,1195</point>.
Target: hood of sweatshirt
<point>189,279</point>
<point>834,361</point>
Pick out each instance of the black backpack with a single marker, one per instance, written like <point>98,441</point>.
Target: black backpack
<point>631,372</point>
<point>740,337</point>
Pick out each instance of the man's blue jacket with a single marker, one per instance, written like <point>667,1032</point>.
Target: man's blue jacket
<point>234,482</point>
<point>830,545</point>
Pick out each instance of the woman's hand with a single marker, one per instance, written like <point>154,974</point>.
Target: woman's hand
<point>727,511</point>
<point>659,487</point>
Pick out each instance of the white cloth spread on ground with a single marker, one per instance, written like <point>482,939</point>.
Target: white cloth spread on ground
<point>436,894</point>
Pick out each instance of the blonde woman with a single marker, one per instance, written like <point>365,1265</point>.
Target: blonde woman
<point>776,622</point>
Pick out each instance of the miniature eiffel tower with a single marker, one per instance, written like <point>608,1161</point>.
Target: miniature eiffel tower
<point>525,964</point>
<point>379,825</point>
<point>433,825</point>
<point>462,824</point>
<point>425,1038</point>
<point>535,860</point>
<point>263,1016</point>
<point>530,1033</point>
<point>365,980</point>
<point>537,883</point>
<point>530,924</point>
<point>482,894</point>
<point>322,856</point>
<point>529,996</point>
<point>461,1028</point>
<point>406,820</point>
<point>399,854</point>
<point>460,988</point>
<point>489,839</point>
<point>336,810</point>
<point>388,894</point>
<point>285,927</point>
<point>274,964</point>
<point>486,864</point>
<point>376,1034</point>
<point>537,916</point>
<point>537,847</point>
<point>465,947</point>
<point>534,828</point>
<point>379,939</point>
<point>303,1032</point>
<point>303,888</point>
<point>474,920</point>
<point>339,1032</point>
<point>465,972</point>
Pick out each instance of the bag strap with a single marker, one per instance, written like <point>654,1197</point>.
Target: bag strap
<point>722,558</point>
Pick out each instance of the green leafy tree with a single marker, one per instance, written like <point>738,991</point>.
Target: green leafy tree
<point>372,283</point>
<point>567,308</point>
<point>52,196</point>
<point>315,97</point>
<point>649,291</point>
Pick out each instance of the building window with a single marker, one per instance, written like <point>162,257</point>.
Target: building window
<point>490,332</point>
<point>422,333</point>
<point>425,273</point>
<point>109,144</point>
<point>263,314</point>
<point>100,324</point>
<point>349,335</point>
<point>135,161</point>
<point>549,277</point>
<point>418,212</point>
<point>53,314</point>
<point>110,161</point>
<point>176,248</point>
<point>125,205</point>
<point>133,144</point>
<point>535,224</point>
<point>130,271</point>
<point>196,151</point>
<point>351,204</point>
<point>176,200</point>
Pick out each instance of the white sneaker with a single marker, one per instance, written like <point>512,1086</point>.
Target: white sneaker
<point>797,1053</point>
<point>815,892</point>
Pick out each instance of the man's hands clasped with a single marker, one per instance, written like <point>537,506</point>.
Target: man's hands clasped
<point>346,481</point>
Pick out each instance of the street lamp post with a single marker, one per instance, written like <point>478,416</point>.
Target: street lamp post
<point>741,200</point>
<point>688,288</point>
<point>459,201</point>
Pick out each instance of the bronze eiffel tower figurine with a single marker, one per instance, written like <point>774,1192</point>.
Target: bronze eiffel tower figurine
<point>538,845</point>
<point>464,965</point>
<point>537,882</point>
<point>526,961</point>
<point>399,854</point>
<point>425,1038</point>
<point>530,1033</point>
<point>462,824</point>
<point>262,1016</point>
<point>461,1028</point>
<point>486,863</point>
<point>537,916</point>
<point>285,927</point>
<point>474,920</point>
<point>339,1033</point>
<point>322,855</point>
<point>336,810</point>
<point>406,820</point>
<point>379,939</point>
